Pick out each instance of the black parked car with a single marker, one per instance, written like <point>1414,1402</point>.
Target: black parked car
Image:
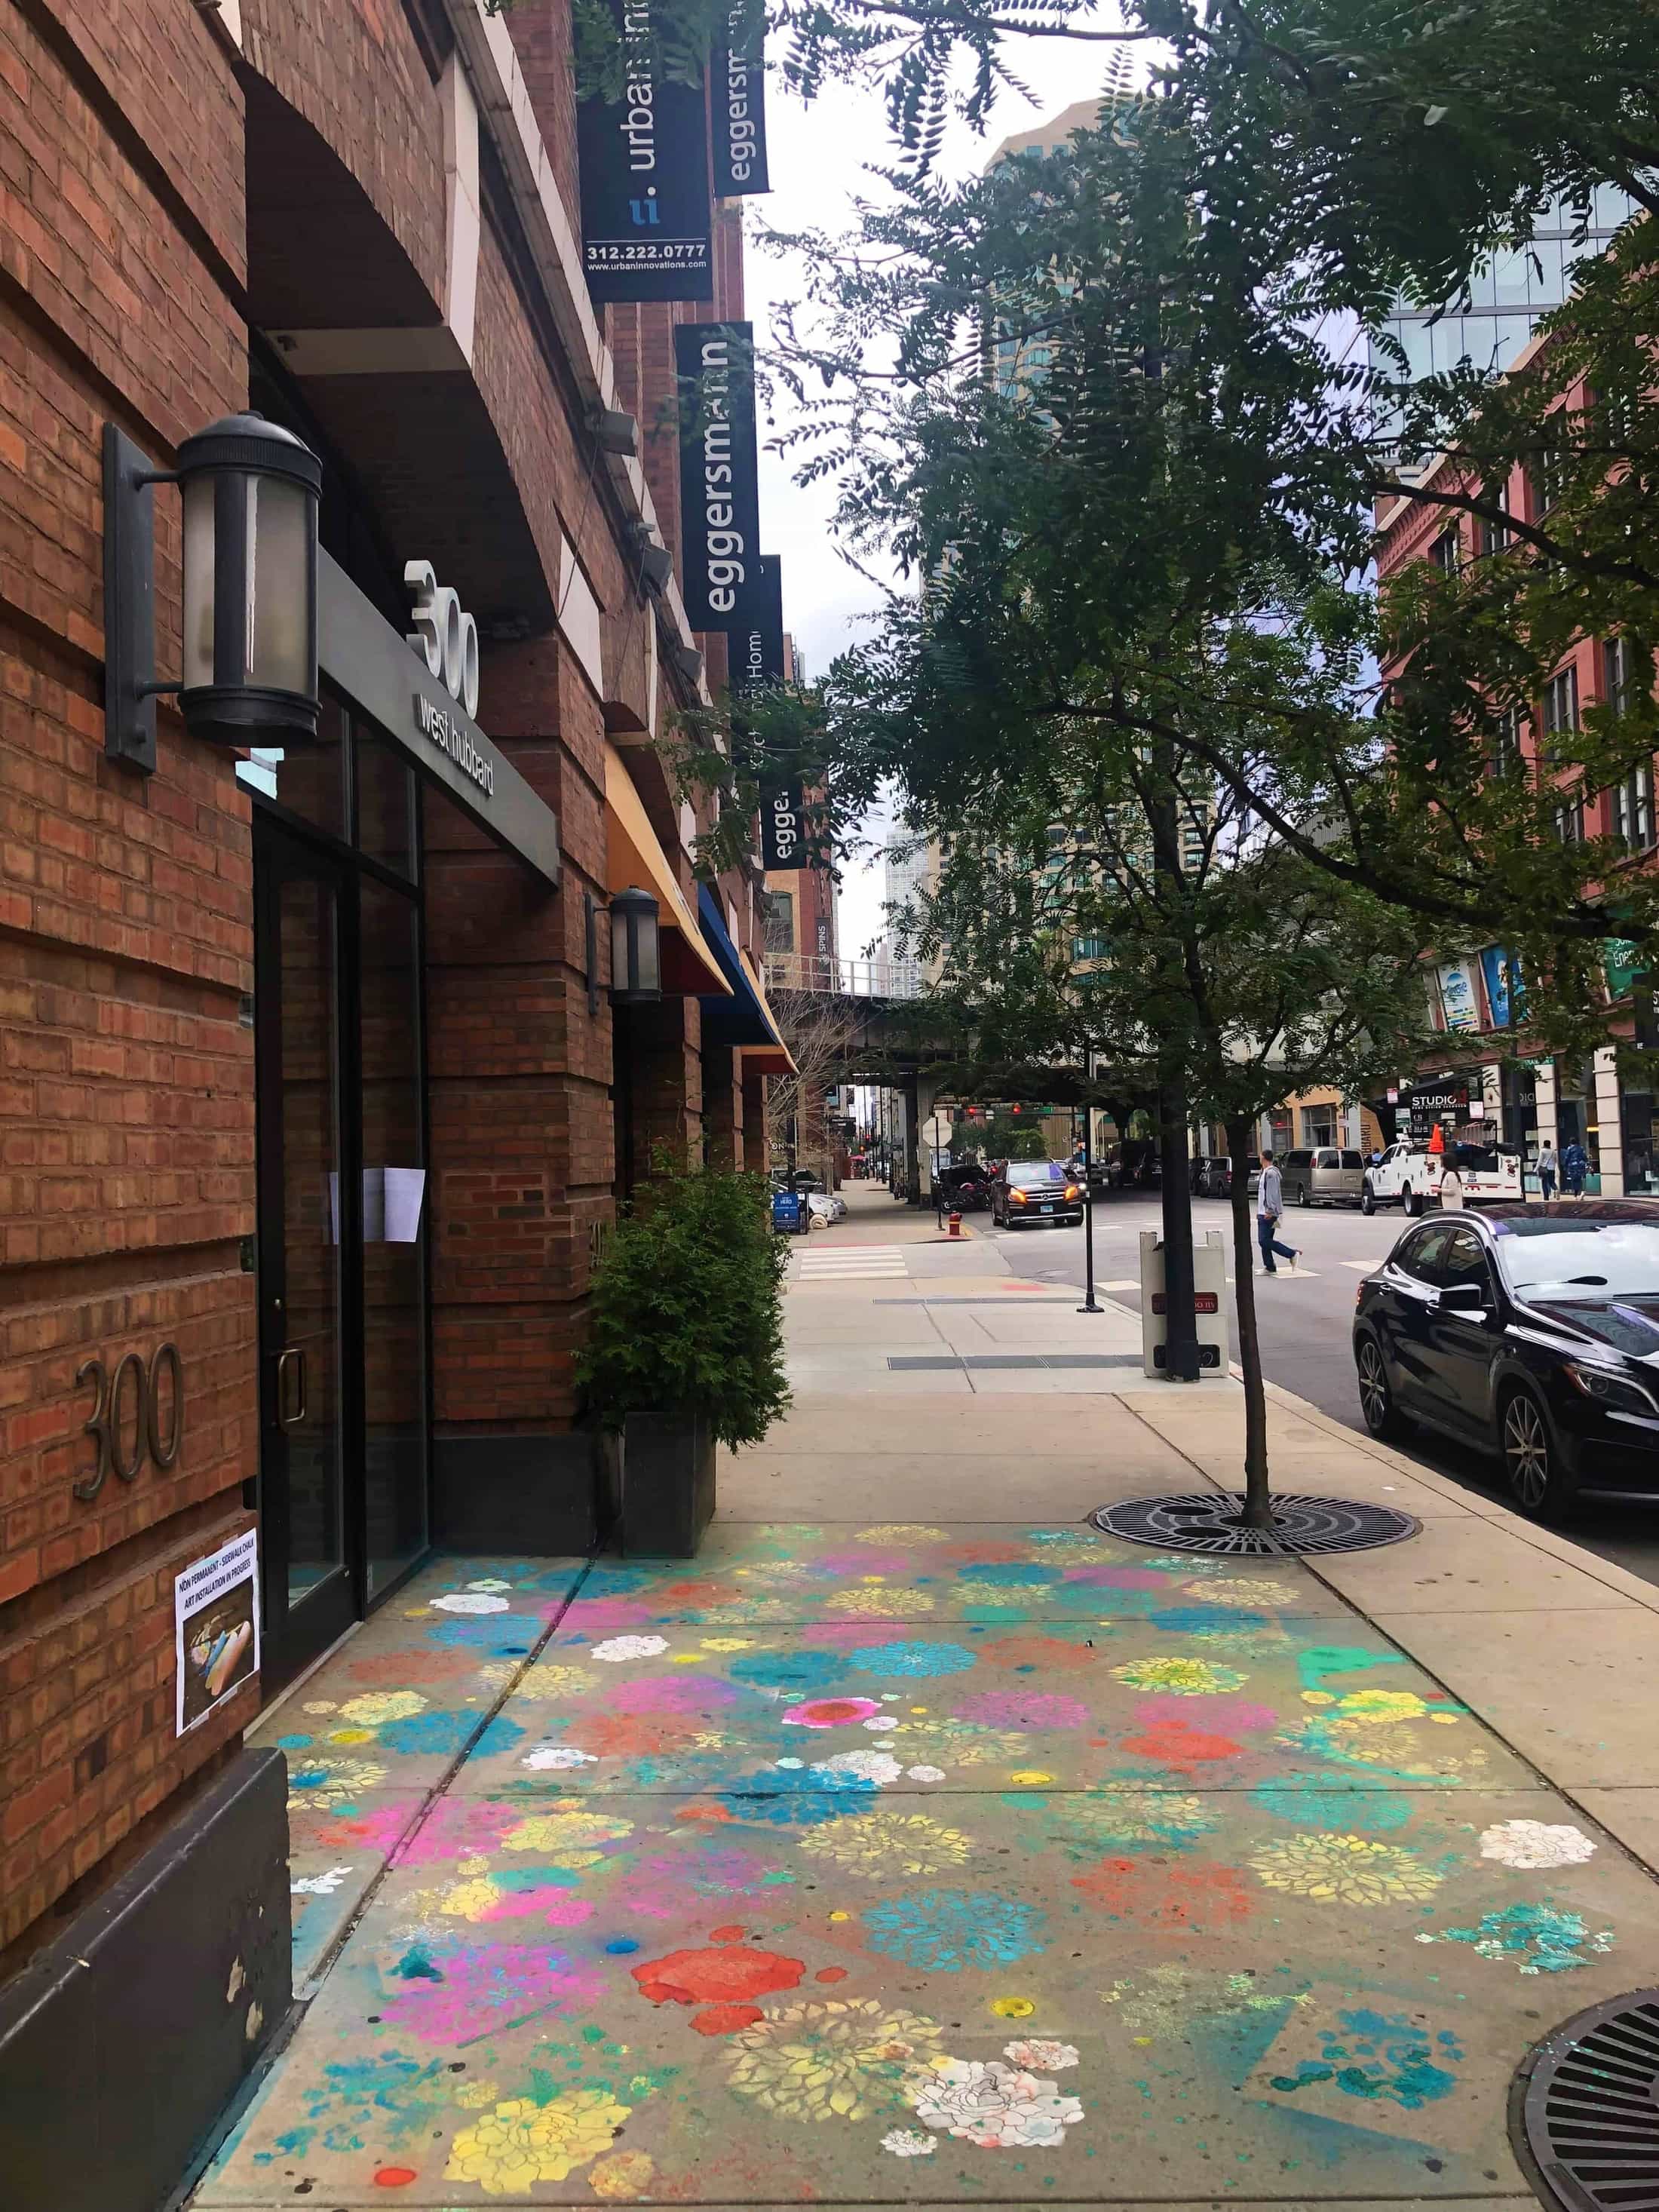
<point>1029,1191</point>
<point>1531,1331</point>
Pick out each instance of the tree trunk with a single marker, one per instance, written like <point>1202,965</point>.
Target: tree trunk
<point>1257,1514</point>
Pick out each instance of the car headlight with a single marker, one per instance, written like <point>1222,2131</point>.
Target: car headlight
<point>1016,1198</point>
<point>1072,1191</point>
<point>1607,1389</point>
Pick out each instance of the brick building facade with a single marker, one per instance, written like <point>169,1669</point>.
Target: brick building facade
<point>237,990</point>
<point>1534,1099</point>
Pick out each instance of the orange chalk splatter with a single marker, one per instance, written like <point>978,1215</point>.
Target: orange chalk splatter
<point>726,2019</point>
<point>716,1977</point>
<point>729,1934</point>
<point>830,1974</point>
<point>394,2177</point>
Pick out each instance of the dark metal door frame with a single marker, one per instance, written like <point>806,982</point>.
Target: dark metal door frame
<point>293,1636</point>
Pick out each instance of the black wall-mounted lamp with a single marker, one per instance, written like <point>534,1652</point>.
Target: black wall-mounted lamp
<point>635,949</point>
<point>250,494</point>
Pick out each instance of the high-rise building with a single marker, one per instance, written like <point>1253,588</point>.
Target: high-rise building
<point>1509,293</point>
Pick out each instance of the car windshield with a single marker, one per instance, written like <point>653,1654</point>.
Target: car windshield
<point>1027,1174</point>
<point>1556,1259</point>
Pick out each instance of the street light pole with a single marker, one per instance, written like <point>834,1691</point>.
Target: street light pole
<point>1180,1362</point>
<point>1090,1303</point>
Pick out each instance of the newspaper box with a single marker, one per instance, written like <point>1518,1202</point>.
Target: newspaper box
<point>1210,1297</point>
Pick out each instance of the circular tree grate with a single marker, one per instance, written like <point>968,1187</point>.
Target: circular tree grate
<point>1209,1521</point>
<point>1588,2117</point>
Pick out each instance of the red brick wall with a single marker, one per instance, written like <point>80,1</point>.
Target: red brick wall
<point>126,1113</point>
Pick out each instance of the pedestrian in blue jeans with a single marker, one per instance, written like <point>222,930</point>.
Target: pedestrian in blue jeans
<point>1270,1209</point>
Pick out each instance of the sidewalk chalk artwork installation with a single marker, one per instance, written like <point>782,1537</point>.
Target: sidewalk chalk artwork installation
<point>907,1861</point>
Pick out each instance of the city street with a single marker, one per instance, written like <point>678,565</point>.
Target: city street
<point>1304,1320</point>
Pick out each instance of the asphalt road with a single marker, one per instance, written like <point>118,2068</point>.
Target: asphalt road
<point>1304,1320</point>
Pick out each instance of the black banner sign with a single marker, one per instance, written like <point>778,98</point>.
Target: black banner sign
<point>756,638</point>
<point>647,214</point>
<point>719,495</point>
<point>756,650</point>
<point>738,104</point>
<point>783,829</point>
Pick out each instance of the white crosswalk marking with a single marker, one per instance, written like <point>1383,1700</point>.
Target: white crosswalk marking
<point>854,1264</point>
<point>1363,1267</point>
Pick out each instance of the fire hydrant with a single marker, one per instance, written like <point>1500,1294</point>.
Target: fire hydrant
<point>956,1224</point>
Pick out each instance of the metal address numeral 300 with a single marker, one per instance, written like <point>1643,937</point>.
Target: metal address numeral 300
<point>107,1422</point>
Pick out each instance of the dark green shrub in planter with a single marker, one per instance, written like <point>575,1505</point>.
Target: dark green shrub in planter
<point>685,1348</point>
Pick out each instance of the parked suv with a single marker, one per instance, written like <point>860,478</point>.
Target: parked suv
<point>1323,1176</point>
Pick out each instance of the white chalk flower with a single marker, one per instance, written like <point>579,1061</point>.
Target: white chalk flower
<point>1037,2055</point>
<point>909,2142</point>
<point>618,1648</point>
<point>877,1766</point>
<point>467,1600</point>
<point>996,2106</point>
<point>1528,1844</point>
<point>319,1885</point>
<point>557,1755</point>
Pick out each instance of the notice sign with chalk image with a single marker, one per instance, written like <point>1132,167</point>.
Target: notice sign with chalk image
<point>215,1626</point>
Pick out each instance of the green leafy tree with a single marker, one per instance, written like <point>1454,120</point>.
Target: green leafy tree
<point>1241,975</point>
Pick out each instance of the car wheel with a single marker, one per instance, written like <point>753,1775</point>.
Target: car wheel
<point>1382,1416</point>
<point>1367,1200</point>
<point>1538,1482</point>
<point>1410,1203</point>
<point>1304,1196</point>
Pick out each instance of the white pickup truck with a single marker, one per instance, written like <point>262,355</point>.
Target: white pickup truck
<point>1414,1178</point>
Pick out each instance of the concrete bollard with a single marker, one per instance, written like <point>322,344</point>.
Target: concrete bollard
<point>956,1224</point>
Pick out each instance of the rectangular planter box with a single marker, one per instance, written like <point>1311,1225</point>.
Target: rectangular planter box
<point>667,1484</point>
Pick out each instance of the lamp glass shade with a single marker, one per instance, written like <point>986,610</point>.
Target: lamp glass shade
<point>199,538</point>
<point>282,648</point>
<point>249,492</point>
<point>635,947</point>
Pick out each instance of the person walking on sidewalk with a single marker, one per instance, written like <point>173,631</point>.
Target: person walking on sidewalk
<point>1575,1166</point>
<point>1270,1209</point>
<point>1546,1172</point>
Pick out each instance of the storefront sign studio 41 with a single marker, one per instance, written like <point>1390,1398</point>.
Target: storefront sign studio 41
<point>216,1628</point>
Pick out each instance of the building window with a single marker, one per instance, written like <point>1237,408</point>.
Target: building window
<point>1447,552</point>
<point>1570,823</point>
<point>1512,726</point>
<point>1560,703</point>
<point>778,915</point>
<point>1632,809</point>
<point>1548,476</point>
<point>1494,537</point>
<point>1619,673</point>
<point>1088,948</point>
<point>1318,1125</point>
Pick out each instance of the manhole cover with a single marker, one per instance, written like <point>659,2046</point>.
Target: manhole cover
<point>1589,2113</point>
<point>1209,1521</point>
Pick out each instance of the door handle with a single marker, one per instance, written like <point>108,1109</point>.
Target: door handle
<point>287,1417</point>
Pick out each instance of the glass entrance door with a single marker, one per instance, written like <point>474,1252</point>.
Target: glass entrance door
<point>308,1220</point>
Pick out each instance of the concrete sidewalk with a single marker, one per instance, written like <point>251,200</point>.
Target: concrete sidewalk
<point>918,1844</point>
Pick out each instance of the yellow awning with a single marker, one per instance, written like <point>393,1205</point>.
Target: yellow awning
<point>765,1059</point>
<point>633,856</point>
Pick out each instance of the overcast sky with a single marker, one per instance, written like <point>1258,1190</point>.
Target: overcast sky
<point>819,159</point>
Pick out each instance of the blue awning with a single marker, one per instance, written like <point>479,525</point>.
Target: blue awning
<point>742,1019</point>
